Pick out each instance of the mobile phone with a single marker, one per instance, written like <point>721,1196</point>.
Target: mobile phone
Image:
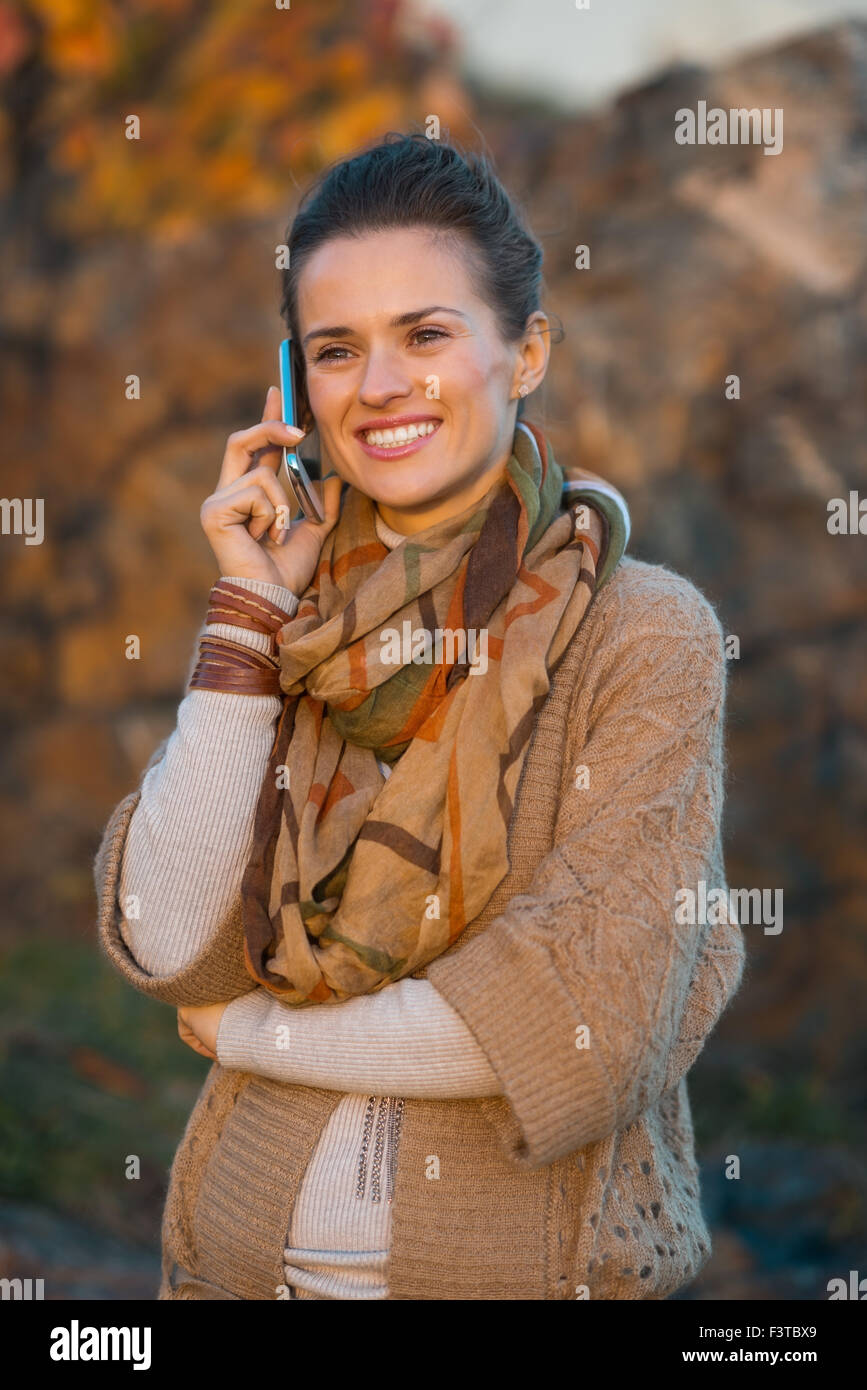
<point>299,479</point>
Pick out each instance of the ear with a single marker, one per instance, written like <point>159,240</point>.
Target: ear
<point>533,353</point>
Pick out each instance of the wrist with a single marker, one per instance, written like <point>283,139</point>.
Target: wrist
<point>238,1029</point>
<point>227,661</point>
<point>270,589</point>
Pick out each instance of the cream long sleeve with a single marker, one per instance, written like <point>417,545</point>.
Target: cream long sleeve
<point>191,835</point>
<point>188,845</point>
<point>402,1041</point>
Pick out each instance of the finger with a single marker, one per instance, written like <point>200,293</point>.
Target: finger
<point>273,409</point>
<point>274,405</point>
<point>244,448</point>
<point>252,506</point>
<point>236,494</point>
<point>263,501</point>
<point>186,1034</point>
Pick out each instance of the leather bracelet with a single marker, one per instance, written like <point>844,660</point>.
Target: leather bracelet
<point>233,667</point>
<point>229,603</point>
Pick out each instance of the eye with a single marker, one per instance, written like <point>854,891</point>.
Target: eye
<point>326,354</point>
<point>422,336</point>
<point>428,333</point>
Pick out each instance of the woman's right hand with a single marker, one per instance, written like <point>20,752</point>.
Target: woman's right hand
<point>244,519</point>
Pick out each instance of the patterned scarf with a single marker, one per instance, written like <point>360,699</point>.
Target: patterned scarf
<point>356,879</point>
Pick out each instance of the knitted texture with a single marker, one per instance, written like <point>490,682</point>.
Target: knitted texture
<point>581,1176</point>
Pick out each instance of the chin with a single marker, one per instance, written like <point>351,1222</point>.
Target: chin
<point>406,499</point>
<point>400,492</point>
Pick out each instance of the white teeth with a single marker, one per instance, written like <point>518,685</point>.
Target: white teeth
<point>390,439</point>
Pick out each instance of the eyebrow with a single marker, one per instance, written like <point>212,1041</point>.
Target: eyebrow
<point>400,321</point>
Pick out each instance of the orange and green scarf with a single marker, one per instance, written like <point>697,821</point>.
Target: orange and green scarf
<point>356,879</point>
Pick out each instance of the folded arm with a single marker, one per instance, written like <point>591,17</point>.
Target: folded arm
<point>404,1040</point>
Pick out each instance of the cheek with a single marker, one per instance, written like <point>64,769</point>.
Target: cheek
<point>329,400</point>
<point>473,374</point>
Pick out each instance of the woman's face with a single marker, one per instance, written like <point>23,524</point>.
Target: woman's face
<point>395,337</point>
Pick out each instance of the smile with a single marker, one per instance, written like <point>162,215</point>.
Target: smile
<point>406,439</point>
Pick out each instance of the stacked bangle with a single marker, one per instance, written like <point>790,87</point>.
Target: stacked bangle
<point>231,666</point>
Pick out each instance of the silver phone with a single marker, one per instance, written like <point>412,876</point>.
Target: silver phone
<point>299,478</point>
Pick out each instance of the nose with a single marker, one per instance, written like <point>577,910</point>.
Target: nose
<point>385,379</point>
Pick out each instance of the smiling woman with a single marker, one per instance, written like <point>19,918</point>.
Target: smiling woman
<point>424,924</point>
<point>364,379</point>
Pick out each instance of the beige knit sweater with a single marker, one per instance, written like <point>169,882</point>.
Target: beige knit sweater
<point>588,1000</point>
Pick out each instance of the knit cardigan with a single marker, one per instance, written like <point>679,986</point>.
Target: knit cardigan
<point>589,999</point>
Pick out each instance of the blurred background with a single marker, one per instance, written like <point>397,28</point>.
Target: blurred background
<point>156,257</point>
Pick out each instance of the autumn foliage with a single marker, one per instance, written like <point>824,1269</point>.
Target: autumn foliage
<point>228,102</point>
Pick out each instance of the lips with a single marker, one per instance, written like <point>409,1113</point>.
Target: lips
<point>396,422</point>
<point>401,436</point>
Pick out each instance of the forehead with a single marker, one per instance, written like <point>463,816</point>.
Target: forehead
<point>380,274</point>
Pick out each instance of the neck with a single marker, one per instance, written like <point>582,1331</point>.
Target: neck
<point>386,534</point>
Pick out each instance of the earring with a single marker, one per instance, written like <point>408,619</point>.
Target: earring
<point>523,389</point>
